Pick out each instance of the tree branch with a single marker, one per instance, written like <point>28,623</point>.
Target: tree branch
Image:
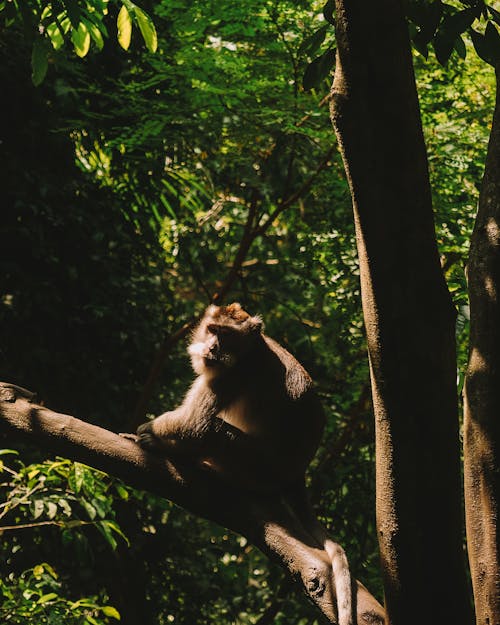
<point>265,520</point>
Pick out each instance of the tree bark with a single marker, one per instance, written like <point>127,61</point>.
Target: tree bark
<point>482,391</point>
<point>409,317</point>
<point>266,521</point>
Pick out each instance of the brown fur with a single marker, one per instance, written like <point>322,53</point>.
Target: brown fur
<point>249,383</point>
<point>252,417</point>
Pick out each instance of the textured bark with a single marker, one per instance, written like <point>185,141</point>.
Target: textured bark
<point>409,317</point>
<point>482,392</point>
<point>265,520</point>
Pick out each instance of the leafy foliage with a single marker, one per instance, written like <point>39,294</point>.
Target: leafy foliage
<point>129,182</point>
<point>62,494</point>
<point>53,24</point>
<point>444,25</point>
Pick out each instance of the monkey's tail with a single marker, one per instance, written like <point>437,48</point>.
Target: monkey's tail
<point>342,580</point>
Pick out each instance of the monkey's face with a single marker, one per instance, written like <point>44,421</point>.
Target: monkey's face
<point>224,336</point>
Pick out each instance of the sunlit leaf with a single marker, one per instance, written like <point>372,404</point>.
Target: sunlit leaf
<point>124,24</point>
<point>51,509</point>
<point>147,29</point>
<point>81,40</point>
<point>37,508</point>
<point>48,597</point>
<point>95,33</point>
<point>494,14</point>
<point>108,610</point>
<point>91,511</point>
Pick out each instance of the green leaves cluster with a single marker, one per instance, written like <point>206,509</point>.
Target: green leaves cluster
<point>443,25</point>
<point>320,67</point>
<point>71,497</point>
<point>432,23</point>
<point>66,494</point>
<point>35,597</point>
<point>52,24</point>
<point>163,159</point>
<point>128,13</point>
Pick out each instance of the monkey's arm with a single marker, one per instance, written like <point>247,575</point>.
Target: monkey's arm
<point>264,520</point>
<point>181,430</point>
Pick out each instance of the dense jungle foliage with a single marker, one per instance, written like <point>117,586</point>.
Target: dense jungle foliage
<point>128,178</point>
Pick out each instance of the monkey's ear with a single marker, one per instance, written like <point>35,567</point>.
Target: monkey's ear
<point>255,324</point>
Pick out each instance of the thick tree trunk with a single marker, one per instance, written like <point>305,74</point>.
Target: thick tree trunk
<point>409,317</point>
<point>482,392</point>
<point>266,520</point>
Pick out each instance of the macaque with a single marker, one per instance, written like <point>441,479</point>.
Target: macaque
<point>251,417</point>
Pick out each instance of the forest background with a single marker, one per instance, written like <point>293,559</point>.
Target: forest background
<point>128,180</point>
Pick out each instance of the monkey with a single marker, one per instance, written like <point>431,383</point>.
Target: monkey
<point>253,418</point>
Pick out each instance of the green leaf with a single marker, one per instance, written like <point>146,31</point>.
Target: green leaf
<point>147,29</point>
<point>95,33</point>
<point>76,477</point>
<point>55,35</point>
<point>487,46</point>
<point>81,40</point>
<point>430,21</point>
<point>494,14</point>
<point>51,509</point>
<point>124,24</point>
<point>318,69</point>
<point>457,23</point>
<point>100,509</point>
<point>39,60</point>
<point>122,491</point>
<point>37,508</point>
<point>91,511</point>
<point>313,42</point>
<point>66,508</point>
<point>48,569</point>
<point>420,44</point>
<point>105,530</point>
<point>460,48</point>
<point>443,47</point>
<point>48,597</point>
<point>74,13</point>
<point>110,611</point>
<point>492,39</point>
<point>328,12</point>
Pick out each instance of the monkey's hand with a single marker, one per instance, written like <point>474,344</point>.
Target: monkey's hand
<point>130,436</point>
<point>147,439</point>
<point>161,436</point>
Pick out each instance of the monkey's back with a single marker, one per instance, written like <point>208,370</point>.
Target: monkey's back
<point>271,400</point>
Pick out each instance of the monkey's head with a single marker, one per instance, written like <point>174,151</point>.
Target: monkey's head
<point>224,335</point>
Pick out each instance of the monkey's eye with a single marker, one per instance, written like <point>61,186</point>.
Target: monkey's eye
<point>218,330</point>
